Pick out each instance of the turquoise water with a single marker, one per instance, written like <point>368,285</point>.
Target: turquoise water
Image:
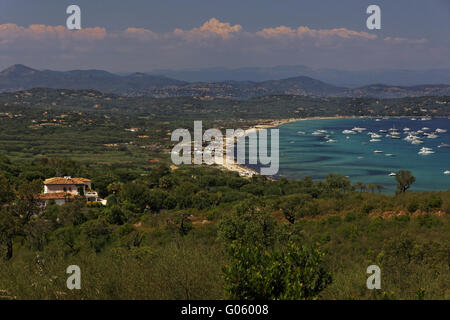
<point>305,154</point>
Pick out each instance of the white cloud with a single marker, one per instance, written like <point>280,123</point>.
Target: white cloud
<point>38,32</point>
<point>212,27</point>
<point>214,43</point>
<point>303,31</point>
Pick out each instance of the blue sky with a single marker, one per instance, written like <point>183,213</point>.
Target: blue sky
<point>414,34</point>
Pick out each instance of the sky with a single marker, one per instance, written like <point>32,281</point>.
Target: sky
<point>138,35</point>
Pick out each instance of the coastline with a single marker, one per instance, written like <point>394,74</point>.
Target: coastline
<point>230,163</point>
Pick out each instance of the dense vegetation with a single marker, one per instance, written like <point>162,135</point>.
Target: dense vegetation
<point>195,232</point>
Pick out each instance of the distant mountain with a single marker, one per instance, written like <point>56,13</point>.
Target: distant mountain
<point>385,91</point>
<point>302,86</point>
<point>18,71</point>
<point>20,77</point>
<point>339,78</point>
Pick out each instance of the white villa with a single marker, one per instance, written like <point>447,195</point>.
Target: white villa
<point>61,189</point>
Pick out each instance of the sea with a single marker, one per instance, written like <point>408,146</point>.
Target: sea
<point>369,150</point>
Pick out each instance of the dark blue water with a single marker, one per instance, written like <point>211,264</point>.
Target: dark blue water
<point>303,155</point>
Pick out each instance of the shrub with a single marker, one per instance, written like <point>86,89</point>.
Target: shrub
<point>258,274</point>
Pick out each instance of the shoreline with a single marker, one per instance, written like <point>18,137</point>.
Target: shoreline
<point>243,171</point>
<point>231,165</point>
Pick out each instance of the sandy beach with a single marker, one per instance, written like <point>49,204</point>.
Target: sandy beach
<point>232,165</point>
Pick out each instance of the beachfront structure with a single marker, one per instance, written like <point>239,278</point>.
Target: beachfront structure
<point>62,189</point>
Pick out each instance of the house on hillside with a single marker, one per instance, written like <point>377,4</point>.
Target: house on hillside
<point>62,189</point>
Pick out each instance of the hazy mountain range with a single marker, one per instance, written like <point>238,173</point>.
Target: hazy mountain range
<point>338,78</point>
<point>20,77</point>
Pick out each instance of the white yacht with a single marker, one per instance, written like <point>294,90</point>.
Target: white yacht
<point>447,172</point>
<point>378,151</point>
<point>411,137</point>
<point>392,174</point>
<point>425,151</point>
<point>438,130</point>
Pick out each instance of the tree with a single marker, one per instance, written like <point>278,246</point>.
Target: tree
<point>136,195</point>
<point>114,187</point>
<point>256,273</point>
<point>97,234</point>
<point>359,185</point>
<point>37,231</point>
<point>156,199</point>
<point>8,230</point>
<point>404,180</point>
<point>28,202</point>
<point>337,183</point>
<point>250,223</point>
<point>115,215</point>
<point>165,182</point>
<point>13,219</point>
<point>379,187</point>
<point>73,212</point>
<point>6,194</point>
<point>296,206</point>
<point>184,223</point>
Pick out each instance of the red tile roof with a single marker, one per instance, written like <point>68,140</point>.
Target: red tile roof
<point>60,180</point>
